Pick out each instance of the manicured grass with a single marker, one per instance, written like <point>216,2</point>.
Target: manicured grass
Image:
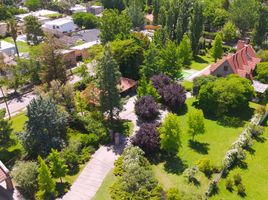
<point>103,192</point>
<point>22,46</point>
<point>188,85</point>
<point>212,145</point>
<point>201,62</point>
<point>254,176</point>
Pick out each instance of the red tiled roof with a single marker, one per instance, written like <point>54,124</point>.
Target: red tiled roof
<point>243,62</point>
<point>126,84</point>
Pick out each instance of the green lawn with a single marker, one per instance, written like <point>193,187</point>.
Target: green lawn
<point>103,192</point>
<point>201,62</point>
<point>254,177</point>
<point>188,85</point>
<point>22,46</point>
<point>212,145</point>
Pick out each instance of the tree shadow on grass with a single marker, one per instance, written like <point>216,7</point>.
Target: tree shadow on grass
<point>260,139</point>
<point>199,147</point>
<point>182,111</point>
<point>172,164</point>
<point>62,188</point>
<point>250,150</point>
<point>199,59</point>
<point>74,170</point>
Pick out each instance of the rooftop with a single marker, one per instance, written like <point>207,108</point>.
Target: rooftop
<point>39,13</point>
<point>84,46</point>
<point>60,21</point>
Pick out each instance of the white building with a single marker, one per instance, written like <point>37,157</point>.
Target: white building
<point>7,48</point>
<point>78,8</point>
<point>62,25</point>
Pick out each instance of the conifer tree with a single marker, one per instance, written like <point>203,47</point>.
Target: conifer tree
<point>57,165</point>
<point>196,26</point>
<point>217,49</point>
<point>108,77</point>
<point>185,52</point>
<point>46,184</point>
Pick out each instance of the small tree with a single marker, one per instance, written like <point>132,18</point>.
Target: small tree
<point>196,123</point>
<point>184,51</point>
<point>46,184</point>
<point>145,88</point>
<point>34,32</point>
<point>229,184</point>
<point>173,194</point>
<point>57,165</point>
<point>33,4</point>
<point>229,32</point>
<point>170,134</point>
<point>12,28</point>
<point>5,128</point>
<point>174,96</point>
<point>159,82</point>
<point>147,138</point>
<point>217,49</point>
<point>262,72</point>
<point>146,108</point>
<point>80,103</point>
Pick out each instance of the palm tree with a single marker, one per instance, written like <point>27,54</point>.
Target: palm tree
<point>13,31</point>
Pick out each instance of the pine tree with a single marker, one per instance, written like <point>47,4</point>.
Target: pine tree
<point>156,10</point>
<point>108,77</point>
<point>196,26</point>
<point>184,51</point>
<point>136,13</point>
<point>217,49</point>
<point>46,184</point>
<point>57,165</point>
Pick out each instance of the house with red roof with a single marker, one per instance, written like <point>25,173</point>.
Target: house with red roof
<point>242,63</point>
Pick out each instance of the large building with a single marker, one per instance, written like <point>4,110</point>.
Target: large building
<point>242,63</point>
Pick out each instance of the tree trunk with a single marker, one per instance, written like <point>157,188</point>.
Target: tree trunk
<point>9,116</point>
<point>15,42</point>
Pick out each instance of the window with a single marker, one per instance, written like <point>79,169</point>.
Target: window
<point>58,27</point>
<point>225,68</point>
<point>54,27</point>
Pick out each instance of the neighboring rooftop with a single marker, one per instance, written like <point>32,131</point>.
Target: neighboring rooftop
<point>6,45</point>
<point>78,8</point>
<point>39,13</point>
<point>60,21</point>
<point>259,87</point>
<point>84,46</point>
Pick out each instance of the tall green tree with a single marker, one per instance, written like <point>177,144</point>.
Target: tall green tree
<point>45,127</point>
<point>33,5</point>
<point>57,165</point>
<point>184,51</point>
<point>46,184</point>
<point>12,28</point>
<point>108,77</point>
<point>5,128</point>
<point>135,12</point>
<point>196,26</point>
<point>244,13</point>
<point>162,16</point>
<point>146,88</point>
<point>217,49</point>
<point>260,33</point>
<point>229,32</point>
<point>114,4</point>
<point>114,24</point>
<point>170,63</point>
<point>51,60</point>
<point>156,9</point>
<point>34,32</point>
<point>170,134</point>
<point>196,123</point>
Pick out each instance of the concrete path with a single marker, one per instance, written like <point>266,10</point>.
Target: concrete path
<point>89,181</point>
<point>196,74</point>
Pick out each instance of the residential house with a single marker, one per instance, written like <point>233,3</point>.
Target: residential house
<point>42,15</point>
<point>3,29</point>
<point>5,177</point>
<point>243,62</point>
<point>60,26</point>
<point>7,48</point>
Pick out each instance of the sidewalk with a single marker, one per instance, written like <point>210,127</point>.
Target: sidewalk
<point>91,178</point>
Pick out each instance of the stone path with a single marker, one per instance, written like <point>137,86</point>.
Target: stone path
<point>89,181</point>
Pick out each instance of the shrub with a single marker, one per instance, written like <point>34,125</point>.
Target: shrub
<point>262,72</point>
<point>174,96</point>
<point>190,173</point>
<point>173,194</point>
<point>85,154</point>
<point>212,188</point>
<point>229,184</point>
<point>256,130</point>
<point>229,32</point>
<point>147,138</point>
<point>71,153</point>
<point>237,179</point>
<point>263,54</point>
<point>118,166</point>
<point>241,190</point>
<point>25,176</point>
<point>159,82</point>
<point>86,20</point>
<point>146,108</point>
<point>200,81</point>
<point>205,166</point>
<point>90,140</point>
